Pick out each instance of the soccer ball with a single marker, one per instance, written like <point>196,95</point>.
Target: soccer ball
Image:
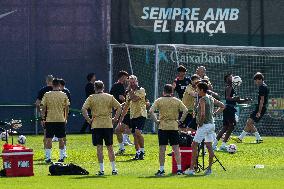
<point>22,139</point>
<point>232,148</point>
<point>237,81</point>
<point>4,136</point>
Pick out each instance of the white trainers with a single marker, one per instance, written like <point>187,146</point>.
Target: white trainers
<point>223,148</point>
<point>189,172</point>
<point>208,172</point>
<point>215,144</point>
<point>126,144</point>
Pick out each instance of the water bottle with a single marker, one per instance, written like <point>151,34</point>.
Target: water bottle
<point>258,166</point>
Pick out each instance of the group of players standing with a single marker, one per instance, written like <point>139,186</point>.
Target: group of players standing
<point>193,110</point>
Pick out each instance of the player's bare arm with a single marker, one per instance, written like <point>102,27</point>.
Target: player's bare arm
<point>202,112</point>
<point>43,111</point>
<point>122,98</point>
<point>66,113</point>
<point>220,105</point>
<point>184,113</point>
<point>85,115</point>
<point>117,114</point>
<point>153,115</point>
<point>124,112</point>
<point>133,97</point>
<point>261,102</point>
<point>214,94</point>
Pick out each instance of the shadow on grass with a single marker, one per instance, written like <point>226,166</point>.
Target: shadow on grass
<point>41,163</point>
<point>90,177</point>
<point>128,160</point>
<point>249,143</point>
<point>39,159</point>
<point>173,175</point>
<point>194,176</point>
<point>221,152</point>
<point>122,155</point>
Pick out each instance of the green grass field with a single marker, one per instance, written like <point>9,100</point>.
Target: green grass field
<point>140,174</point>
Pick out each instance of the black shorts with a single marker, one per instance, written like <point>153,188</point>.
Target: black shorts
<point>168,136</point>
<point>126,120</point>
<point>253,115</point>
<point>55,129</point>
<point>193,124</point>
<point>137,123</point>
<point>229,116</point>
<point>99,135</point>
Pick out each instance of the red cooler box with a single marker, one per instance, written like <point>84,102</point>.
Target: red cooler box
<point>17,160</point>
<point>186,154</point>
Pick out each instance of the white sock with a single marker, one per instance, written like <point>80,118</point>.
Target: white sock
<point>224,144</point>
<point>113,165</point>
<point>142,150</point>
<point>61,153</point>
<point>244,133</point>
<point>124,138</point>
<point>48,153</point>
<point>215,143</point>
<point>121,146</point>
<point>179,167</point>
<point>102,169</point>
<point>161,168</point>
<point>45,153</point>
<point>257,136</point>
<point>215,136</point>
<point>65,150</point>
<point>128,139</point>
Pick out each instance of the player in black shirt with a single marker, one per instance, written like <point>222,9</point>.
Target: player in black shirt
<point>67,92</point>
<point>229,120</point>
<point>118,88</point>
<point>89,90</point>
<point>119,93</point>
<point>259,111</point>
<point>181,82</point>
<point>64,89</point>
<point>42,91</point>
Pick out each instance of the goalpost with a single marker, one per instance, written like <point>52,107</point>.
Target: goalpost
<point>155,65</point>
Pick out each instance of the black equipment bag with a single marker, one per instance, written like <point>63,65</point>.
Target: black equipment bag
<point>66,169</point>
<point>3,173</point>
<point>185,139</point>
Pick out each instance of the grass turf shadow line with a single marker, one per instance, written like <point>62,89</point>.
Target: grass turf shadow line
<point>128,160</point>
<point>125,155</point>
<point>251,143</point>
<point>39,159</point>
<point>173,175</point>
<point>42,163</point>
<point>91,177</point>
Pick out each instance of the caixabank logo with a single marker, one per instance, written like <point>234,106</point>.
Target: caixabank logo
<point>276,108</point>
<point>203,58</point>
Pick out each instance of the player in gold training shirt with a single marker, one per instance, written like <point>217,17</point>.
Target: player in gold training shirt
<point>189,99</point>
<point>55,108</point>
<point>169,108</point>
<point>136,102</point>
<point>101,105</point>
